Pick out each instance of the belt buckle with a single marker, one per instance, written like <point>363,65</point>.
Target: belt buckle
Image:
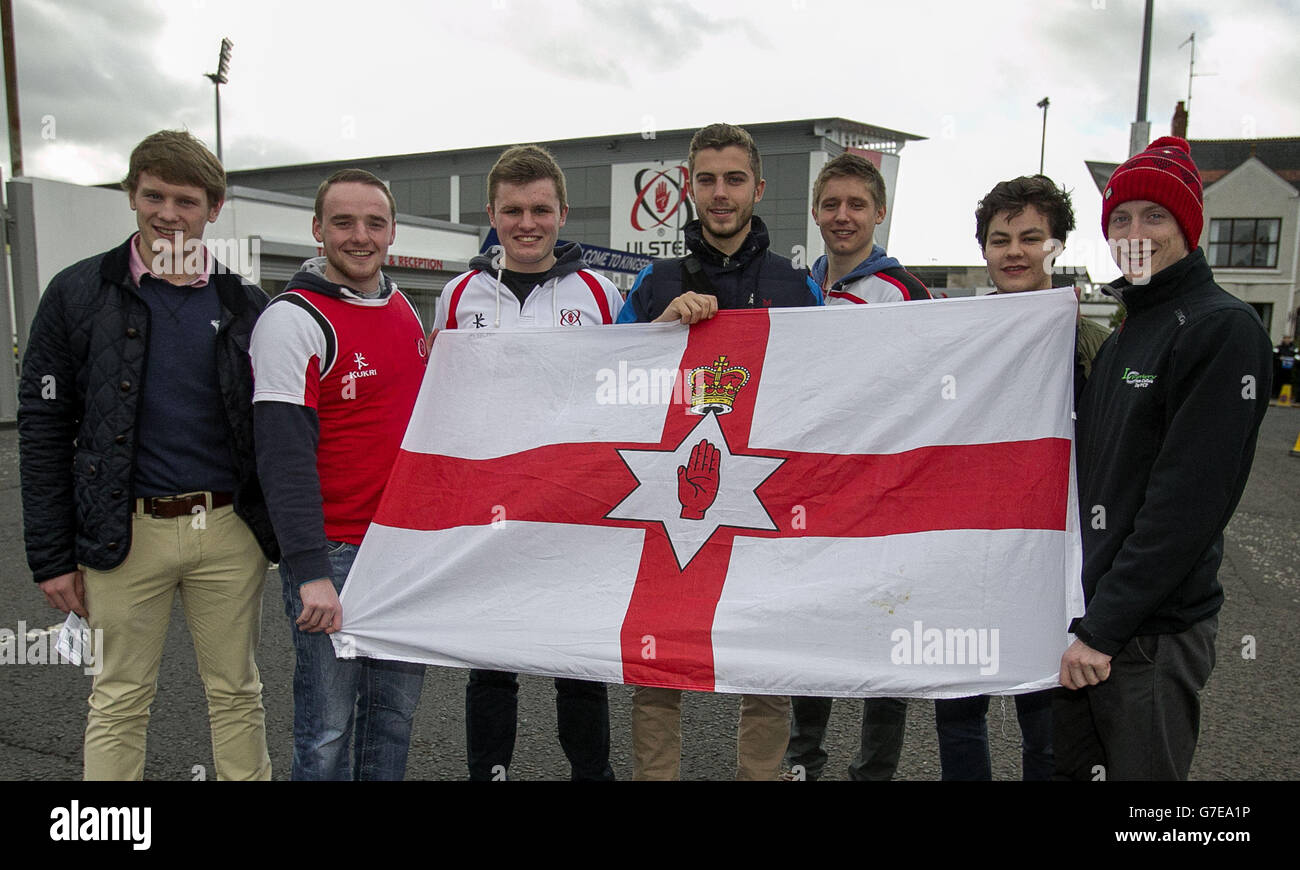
<point>187,499</point>
<point>159,500</point>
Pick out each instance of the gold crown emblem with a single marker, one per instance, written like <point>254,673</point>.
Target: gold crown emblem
<point>715,387</point>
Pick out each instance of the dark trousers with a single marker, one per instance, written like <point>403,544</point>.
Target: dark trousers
<point>1142,722</point>
<point>491,714</point>
<point>964,738</point>
<point>883,722</point>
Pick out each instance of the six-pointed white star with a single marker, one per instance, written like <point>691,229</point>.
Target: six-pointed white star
<point>655,497</point>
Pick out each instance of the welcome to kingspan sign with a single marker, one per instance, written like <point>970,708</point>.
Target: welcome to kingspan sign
<point>594,256</point>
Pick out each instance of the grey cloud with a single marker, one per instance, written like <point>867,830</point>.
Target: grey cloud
<point>92,69</point>
<point>624,39</point>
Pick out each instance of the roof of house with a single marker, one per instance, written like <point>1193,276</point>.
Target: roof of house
<point>1215,158</point>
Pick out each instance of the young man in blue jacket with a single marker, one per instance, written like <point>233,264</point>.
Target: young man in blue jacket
<point>849,202</point>
<point>729,266</point>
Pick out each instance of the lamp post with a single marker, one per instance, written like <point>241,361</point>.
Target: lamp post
<point>218,79</point>
<point>1042,151</point>
<point>11,90</point>
<point>1140,130</point>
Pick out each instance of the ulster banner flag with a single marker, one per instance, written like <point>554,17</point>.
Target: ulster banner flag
<point>851,501</point>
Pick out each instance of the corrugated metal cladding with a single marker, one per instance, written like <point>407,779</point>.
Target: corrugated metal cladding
<point>422,183</point>
<point>420,285</point>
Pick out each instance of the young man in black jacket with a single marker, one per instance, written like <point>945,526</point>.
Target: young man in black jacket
<point>729,267</point>
<point>1165,438</point>
<point>136,433</point>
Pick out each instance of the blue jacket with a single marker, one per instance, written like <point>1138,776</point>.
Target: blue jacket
<point>753,277</point>
<point>878,278</point>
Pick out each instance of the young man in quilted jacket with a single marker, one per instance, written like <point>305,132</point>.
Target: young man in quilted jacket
<point>137,461</point>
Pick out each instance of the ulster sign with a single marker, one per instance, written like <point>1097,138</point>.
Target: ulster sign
<point>648,208</point>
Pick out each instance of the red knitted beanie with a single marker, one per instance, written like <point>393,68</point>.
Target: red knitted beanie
<point>1164,174</point>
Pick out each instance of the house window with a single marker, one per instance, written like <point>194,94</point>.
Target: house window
<point>1245,243</point>
<point>1265,312</point>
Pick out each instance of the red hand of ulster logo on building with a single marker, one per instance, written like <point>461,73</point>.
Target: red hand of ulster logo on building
<point>697,481</point>
<point>661,196</point>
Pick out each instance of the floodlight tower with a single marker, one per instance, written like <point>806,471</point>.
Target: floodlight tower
<point>1042,151</point>
<point>218,79</point>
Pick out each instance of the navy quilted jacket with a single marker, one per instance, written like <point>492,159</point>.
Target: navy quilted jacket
<point>78,401</point>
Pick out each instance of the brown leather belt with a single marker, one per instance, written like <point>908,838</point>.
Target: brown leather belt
<point>165,507</point>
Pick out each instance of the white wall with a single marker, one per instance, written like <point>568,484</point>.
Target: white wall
<point>1252,190</point>
<point>72,222</point>
<point>245,216</point>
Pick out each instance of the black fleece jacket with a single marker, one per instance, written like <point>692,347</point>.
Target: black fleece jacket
<point>1166,435</point>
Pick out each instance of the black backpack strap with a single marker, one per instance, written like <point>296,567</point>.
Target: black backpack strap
<point>693,277</point>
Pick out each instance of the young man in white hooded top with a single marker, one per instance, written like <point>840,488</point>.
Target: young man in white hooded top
<point>533,282</point>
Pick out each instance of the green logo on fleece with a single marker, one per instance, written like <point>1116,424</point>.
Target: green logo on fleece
<point>1137,380</point>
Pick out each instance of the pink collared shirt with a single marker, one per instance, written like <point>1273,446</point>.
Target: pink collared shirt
<point>139,269</point>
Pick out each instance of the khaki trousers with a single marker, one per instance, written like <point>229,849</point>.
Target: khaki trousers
<point>214,561</point>
<point>761,739</point>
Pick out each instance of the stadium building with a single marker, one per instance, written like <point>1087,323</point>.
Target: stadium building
<point>627,201</point>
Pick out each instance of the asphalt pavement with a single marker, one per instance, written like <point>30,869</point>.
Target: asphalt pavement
<point>1248,732</point>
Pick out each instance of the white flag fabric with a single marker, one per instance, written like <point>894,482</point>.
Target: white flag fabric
<point>853,501</point>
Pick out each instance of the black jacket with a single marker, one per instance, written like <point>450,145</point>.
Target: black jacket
<point>753,277</point>
<point>1166,435</point>
<point>78,401</point>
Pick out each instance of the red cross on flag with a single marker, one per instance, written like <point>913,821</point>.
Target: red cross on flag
<point>866,500</point>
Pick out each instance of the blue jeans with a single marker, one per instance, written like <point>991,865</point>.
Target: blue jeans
<point>332,697</point>
<point>491,713</point>
<point>964,738</point>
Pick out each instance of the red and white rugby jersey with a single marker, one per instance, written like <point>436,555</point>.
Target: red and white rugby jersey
<point>880,287</point>
<point>358,363</point>
<point>581,298</point>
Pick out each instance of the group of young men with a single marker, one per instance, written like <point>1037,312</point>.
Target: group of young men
<point>152,465</point>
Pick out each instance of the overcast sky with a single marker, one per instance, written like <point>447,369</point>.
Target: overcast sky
<point>327,80</point>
